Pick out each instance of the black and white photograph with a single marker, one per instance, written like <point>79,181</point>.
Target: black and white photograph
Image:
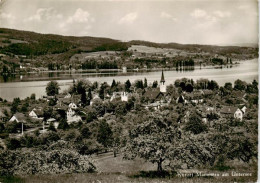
<point>129,91</point>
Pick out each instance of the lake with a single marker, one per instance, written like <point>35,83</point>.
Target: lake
<point>24,86</point>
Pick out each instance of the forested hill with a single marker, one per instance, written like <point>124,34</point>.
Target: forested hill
<point>31,43</point>
<point>33,50</point>
<point>200,48</point>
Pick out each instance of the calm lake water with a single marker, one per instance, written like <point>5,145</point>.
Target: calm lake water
<point>24,86</point>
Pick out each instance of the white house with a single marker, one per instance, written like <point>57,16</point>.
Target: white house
<point>33,114</point>
<point>37,114</point>
<point>68,95</point>
<point>73,106</point>
<point>244,109</point>
<point>18,117</point>
<point>72,117</point>
<point>124,96</point>
<point>238,114</point>
<point>232,112</point>
<point>124,69</point>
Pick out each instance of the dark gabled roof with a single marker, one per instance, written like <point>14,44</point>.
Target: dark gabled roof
<point>60,95</point>
<point>39,113</point>
<point>65,100</point>
<point>207,92</point>
<point>2,115</point>
<point>237,94</point>
<point>152,94</point>
<point>20,117</point>
<point>193,95</point>
<point>228,110</point>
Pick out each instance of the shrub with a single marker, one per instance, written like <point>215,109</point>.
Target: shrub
<point>44,162</point>
<point>13,143</point>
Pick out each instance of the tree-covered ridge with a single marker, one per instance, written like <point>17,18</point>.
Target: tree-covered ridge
<point>42,44</point>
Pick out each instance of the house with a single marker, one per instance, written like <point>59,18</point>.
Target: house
<point>72,105</point>
<point>94,98</point>
<point>36,113</point>
<point>243,109</point>
<point>205,111</point>
<point>124,69</point>
<point>154,95</point>
<point>181,100</point>
<point>68,95</point>
<point>4,113</point>
<point>155,105</point>
<point>2,116</point>
<point>72,116</point>
<point>122,95</point>
<point>194,97</point>
<point>232,112</point>
<point>207,92</point>
<point>18,117</point>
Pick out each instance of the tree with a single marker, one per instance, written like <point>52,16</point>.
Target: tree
<point>139,84</point>
<point>189,87</point>
<point>127,86</point>
<point>113,84</point>
<point>240,85</point>
<point>14,107</point>
<point>153,140</point>
<point>89,96</point>
<point>51,127</point>
<point>228,86</point>
<point>33,96</point>
<point>99,107</point>
<point>85,132</point>
<point>105,134</point>
<point>195,124</point>
<point>63,125</point>
<point>83,97</point>
<point>212,85</point>
<point>155,84</point>
<point>52,88</point>
<point>145,83</point>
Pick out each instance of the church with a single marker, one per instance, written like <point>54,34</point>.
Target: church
<point>157,94</point>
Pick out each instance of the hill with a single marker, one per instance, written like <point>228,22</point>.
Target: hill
<point>55,52</point>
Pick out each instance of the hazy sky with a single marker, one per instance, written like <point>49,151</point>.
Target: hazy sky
<point>183,21</point>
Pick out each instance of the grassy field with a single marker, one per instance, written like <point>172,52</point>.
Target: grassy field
<point>115,170</point>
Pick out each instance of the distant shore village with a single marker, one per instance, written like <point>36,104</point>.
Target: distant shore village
<point>70,105</point>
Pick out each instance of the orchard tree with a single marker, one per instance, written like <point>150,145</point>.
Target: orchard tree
<point>195,124</point>
<point>52,88</point>
<point>105,134</point>
<point>153,140</point>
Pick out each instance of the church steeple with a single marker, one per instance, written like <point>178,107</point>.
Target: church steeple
<point>162,78</point>
<point>162,84</point>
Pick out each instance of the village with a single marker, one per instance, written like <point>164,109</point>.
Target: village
<point>85,102</point>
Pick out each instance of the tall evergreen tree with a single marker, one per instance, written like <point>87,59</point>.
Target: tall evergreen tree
<point>127,85</point>
<point>145,83</point>
<point>83,97</point>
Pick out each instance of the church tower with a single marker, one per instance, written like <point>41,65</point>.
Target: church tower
<point>162,84</point>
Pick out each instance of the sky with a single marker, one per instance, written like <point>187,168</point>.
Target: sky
<point>221,22</point>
